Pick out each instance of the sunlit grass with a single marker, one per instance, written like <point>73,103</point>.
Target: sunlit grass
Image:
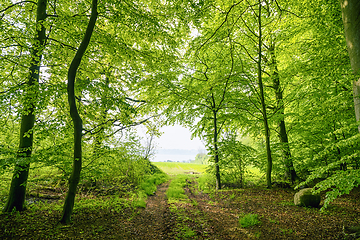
<point>175,168</point>
<point>176,190</point>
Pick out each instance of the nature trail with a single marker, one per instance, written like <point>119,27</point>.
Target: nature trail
<point>156,220</point>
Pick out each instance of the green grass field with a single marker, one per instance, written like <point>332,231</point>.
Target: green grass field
<point>175,168</point>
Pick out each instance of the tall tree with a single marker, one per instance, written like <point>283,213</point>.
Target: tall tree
<point>351,20</point>
<point>16,196</point>
<point>262,98</point>
<point>280,107</point>
<point>77,121</point>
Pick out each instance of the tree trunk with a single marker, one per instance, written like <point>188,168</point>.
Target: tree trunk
<point>350,14</point>
<point>263,106</point>
<point>288,163</point>
<point>77,121</point>
<point>216,153</point>
<point>17,191</point>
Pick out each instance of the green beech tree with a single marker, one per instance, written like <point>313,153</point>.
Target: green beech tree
<point>77,121</point>
<point>350,15</point>
<point>290,172</point>
<point>262,98</point>
<point>18,184</point>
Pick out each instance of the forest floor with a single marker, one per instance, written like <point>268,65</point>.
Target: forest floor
<point>198,216</point>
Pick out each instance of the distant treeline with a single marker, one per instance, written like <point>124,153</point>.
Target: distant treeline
<point>201,158</point>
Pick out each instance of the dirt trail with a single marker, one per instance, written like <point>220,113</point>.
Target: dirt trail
<point>216,216</point>
<point>156,220</point>
<point>199,216</point>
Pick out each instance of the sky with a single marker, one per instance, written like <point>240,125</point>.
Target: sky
<point>177,137</point>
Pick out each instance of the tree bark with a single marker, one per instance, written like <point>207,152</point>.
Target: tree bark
<point>283,136</point>
<point>216,153</point>
<point>16,198</point>
<point>77,121</point>
<point>351,19</point>
<point>263,106</point>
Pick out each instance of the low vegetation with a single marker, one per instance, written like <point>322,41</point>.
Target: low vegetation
<point>179,209</point>
<point>249,220</point>
<point>176,188</point>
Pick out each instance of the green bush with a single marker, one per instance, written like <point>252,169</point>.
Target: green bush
<point>206,182</point>
<point>140,201</point>
<point>150,182</point>
<point>249,220</point>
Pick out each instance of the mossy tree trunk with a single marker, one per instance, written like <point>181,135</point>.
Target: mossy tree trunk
<point>351,19</point>
<point>16,198</point>
<point>77,121</point>
<point>283,136</point>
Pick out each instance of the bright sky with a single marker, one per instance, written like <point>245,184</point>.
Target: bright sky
<point>178,137</point>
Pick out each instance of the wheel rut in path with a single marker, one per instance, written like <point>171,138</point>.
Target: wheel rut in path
<point>155,221</point>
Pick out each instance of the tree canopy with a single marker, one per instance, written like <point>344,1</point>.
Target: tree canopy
<point>265,84</point>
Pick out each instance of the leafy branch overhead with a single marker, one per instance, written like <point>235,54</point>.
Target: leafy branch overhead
<point>266,85</point>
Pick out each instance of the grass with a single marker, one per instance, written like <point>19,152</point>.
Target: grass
<point>149,185</point>
<point>206,183</point>
<point>175,168</point>
<point>186,233</point>
<point>140,200</point>
<point>249,220</point>
<point>176,188</point>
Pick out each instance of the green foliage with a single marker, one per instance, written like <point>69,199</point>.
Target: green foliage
<point>202,158</point>
<point>339,183</point>
<point>150,182</point>
<point>206,183</point>
<point>176,188</point>
<point>186,233</point>
<point>249,220</point>
<point>175,193</point>
<point>141,63</point>
<point>140,200</point>
<point>234,159</point>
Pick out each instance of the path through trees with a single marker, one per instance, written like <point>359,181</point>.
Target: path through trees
<point>198,216</point>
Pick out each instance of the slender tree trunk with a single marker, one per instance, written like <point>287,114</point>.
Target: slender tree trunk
<point>351,20</point>
<point>216,153</point>
<point>77,121</point>
<point>283,136</point>
<point>17,192</point>
<point>263,106</point>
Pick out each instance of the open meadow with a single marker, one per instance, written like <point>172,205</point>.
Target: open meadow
<point>174,168</point>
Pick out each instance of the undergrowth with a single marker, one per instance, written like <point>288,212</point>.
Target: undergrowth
<point>176,188</point>
<point>249,220</point>
<point>148,187</point>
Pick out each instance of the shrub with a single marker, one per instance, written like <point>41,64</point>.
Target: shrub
<point>249,220</point>
<point>206,183</point>
<point>150,182</point>
<point>140,201</point>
